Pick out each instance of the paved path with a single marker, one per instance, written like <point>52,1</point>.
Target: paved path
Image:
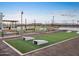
<point>6,51</point>
<point>26,34</point>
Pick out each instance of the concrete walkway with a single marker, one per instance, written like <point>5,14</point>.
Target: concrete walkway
<point>11,36</point>
<point>6,51</point>
<point>26,34</point>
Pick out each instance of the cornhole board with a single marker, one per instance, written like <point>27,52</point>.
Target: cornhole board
<point>69,31</point>
<point>40,42</point>
<point>28,38</point>
<point>77,32</point>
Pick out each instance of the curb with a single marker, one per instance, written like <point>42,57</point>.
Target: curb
<point>13,48</point>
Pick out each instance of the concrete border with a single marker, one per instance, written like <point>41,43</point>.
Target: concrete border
<point>38,48</point>
<point>13,48</point>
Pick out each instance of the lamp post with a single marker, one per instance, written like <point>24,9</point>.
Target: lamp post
<point>21,24</point>
<point>26,24</point>
<point>52,21</point>
<point>34,25</point>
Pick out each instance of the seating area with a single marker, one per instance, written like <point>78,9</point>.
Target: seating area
<point>34,41</point>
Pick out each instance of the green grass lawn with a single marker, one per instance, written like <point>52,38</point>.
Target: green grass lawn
<point>0,33</point>
<point>26,46</point>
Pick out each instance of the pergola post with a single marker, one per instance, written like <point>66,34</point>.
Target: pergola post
<point>12,25</point>
<point>26,24</point>
<point>16,25</point>
<point>1,24</point>
<point>34,25</point>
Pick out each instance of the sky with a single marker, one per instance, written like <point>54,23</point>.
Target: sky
<point>42,12</point>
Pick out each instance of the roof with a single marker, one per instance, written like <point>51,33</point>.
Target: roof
<point>10,21</point>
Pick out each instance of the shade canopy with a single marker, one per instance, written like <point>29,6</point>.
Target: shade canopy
<point>10,21</point>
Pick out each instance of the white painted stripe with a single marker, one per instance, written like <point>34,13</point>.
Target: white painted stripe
<point>13,48</point>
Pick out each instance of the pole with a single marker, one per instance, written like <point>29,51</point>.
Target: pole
<point>34,24</point>
<point>16,27</point>
<point>53,21</point>
<point>26,24</point>
<point>1,18</point>
<point>21,24</point>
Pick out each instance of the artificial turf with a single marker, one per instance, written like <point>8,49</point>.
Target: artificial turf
<point>0,33</point>
<point>26,46</point>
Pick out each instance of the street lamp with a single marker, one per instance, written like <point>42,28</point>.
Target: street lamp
<point>21,23</point>
<point>34,24</point>
<point>53,21</point>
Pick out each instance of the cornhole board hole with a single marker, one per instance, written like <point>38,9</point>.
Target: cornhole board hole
<point>77,32</point>
<point>40,42</point>
<point>28,38</point>
<point>69,31</point>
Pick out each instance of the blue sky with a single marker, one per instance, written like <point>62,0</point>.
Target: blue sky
<point>41,11</point>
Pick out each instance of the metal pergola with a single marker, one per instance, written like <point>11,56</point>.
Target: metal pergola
<point>13,22</point>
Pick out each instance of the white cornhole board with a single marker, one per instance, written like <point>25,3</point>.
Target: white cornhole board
<point>77,32</point>
<point>40,42</point>
<point>69,31</point>
<point>28,38</point>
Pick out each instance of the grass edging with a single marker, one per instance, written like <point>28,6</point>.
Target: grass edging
<point>16,50</point>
